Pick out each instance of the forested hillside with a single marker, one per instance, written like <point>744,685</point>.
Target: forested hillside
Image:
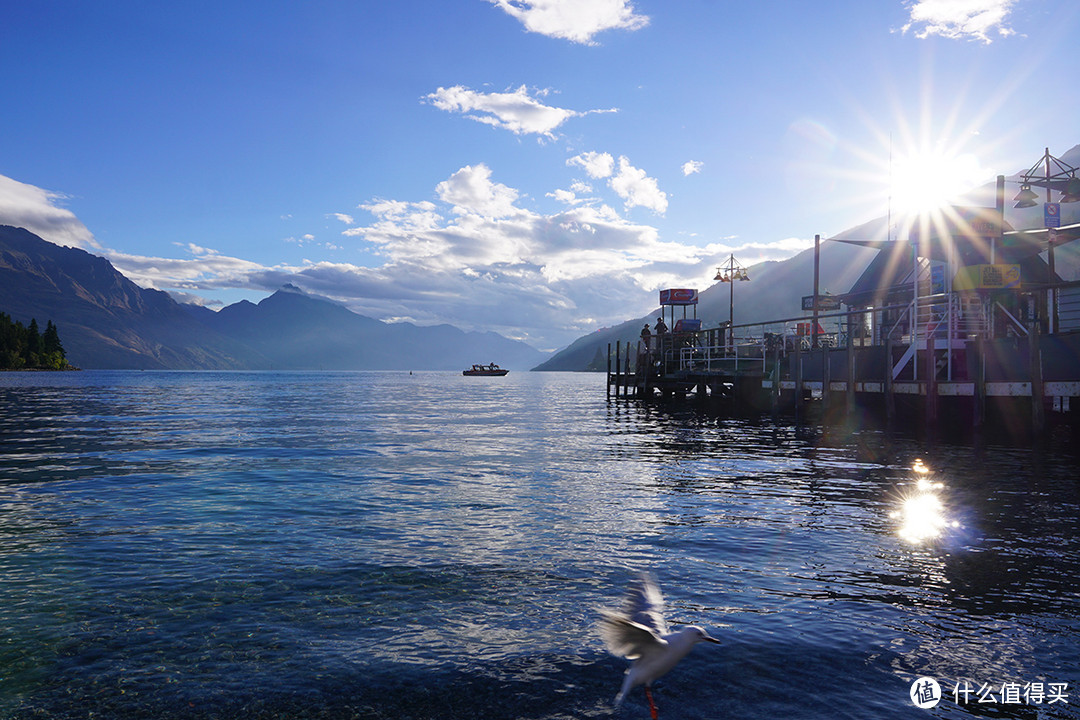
<point>27,348</point>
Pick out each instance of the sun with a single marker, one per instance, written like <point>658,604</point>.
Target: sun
<point>927,179</point>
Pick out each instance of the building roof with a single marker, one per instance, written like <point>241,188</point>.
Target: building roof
<point>962,236</point>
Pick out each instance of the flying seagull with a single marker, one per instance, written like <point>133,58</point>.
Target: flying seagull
<point>638,632</point>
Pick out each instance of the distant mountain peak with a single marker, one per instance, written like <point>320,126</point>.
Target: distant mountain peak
<point>107,321</point>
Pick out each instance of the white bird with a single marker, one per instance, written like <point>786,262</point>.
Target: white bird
<point>638,632</point>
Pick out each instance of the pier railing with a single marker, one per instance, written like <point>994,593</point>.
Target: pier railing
<point>959,346</point>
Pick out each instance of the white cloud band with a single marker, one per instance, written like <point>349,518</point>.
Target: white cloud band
<point>575,20</point>
<point>516,111</point>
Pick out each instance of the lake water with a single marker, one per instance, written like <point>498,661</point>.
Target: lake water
<point>395,545</point>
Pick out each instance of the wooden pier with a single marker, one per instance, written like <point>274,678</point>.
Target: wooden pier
<point>1021,386</point>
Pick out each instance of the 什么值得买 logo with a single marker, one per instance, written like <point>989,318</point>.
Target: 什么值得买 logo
<point>925,692</point>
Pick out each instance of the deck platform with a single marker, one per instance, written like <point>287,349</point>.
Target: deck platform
<point>1025,386</point>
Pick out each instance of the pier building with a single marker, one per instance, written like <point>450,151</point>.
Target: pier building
<point>960,321</point>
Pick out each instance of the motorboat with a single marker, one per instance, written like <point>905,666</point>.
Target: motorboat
<point>490,370</point>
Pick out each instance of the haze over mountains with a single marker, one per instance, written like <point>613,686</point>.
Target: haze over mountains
<point>107,321</point>
<point>774,291</point>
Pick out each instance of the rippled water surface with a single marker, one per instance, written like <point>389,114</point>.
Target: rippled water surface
<point>395,545</point>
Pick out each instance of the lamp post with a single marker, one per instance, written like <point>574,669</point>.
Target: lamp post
<point>730,273</point>
<point>1055,175</point>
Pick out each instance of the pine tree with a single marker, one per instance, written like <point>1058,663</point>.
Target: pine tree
<point>24,347</point>
<point>53,355</point>
<point>51,339</point>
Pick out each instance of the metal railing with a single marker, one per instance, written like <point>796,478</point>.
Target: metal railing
<point>945,317</point>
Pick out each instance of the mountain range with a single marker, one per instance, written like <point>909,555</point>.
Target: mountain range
<point>107,321</point>
<point>774,291</point>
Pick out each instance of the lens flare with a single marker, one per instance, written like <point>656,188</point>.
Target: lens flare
<point>922,516</point>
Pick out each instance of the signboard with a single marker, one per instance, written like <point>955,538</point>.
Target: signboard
<point>678,296</point>
<point>1051,215</point>
<point>803,329</point>
<point>987,277</point>
<point>937,279</point>
<point>825,303</point>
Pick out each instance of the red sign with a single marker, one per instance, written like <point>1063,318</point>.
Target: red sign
<point>678,296</point>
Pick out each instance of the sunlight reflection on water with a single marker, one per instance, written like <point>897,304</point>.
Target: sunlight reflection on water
<point>922,516</point>
<point>218,545</point>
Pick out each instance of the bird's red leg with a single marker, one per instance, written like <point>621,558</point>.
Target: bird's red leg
<point>652,705</point>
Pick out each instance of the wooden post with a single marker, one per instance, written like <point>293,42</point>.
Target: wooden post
<point>890,399</point>
<point>618,364</point>
<point>798,381</point>
<point>817,273</point>
<point>931,388</point>
<point>979,410</point>
<point>1038,424</point>
<point>609,370</point>
<point>776,383</point>
<point>850,367</point>
<point>826,379</point>
<point>645,369</point>
<point>627,376</point>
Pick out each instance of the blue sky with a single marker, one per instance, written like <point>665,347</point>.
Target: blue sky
<point>535,167</point>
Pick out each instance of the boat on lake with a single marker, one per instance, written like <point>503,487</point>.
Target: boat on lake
<point>492,370</point>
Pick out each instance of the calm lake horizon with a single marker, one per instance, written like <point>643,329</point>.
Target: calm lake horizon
<point>425,545</point>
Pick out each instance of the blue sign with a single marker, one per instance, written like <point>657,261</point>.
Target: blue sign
<point>1051,215</point>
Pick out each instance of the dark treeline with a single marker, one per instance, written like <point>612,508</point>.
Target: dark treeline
<point>27,348</point>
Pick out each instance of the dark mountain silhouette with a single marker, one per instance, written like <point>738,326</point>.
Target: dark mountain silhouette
<point>774,291</point>
<point>299,331</point>
<point>107,321</point>
<point>104,319</point>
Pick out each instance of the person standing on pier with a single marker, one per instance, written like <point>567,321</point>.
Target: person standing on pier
<point>661,328</point>
<point>644,347</point>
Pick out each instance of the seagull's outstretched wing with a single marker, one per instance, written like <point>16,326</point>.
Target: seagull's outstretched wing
<point>626,638</point>
<point>638,627</point>
<point>644,604</point>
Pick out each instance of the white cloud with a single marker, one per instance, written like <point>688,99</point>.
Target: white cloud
<point>470,190</point>
<point>30,207</point>
<point>196,249</point>
<point>575,20</point>
<point>207,269</point>
<point>596,165</point>
<point>345,218</point>
<point>471,258</point>
<point>637,189</point>
<point>955,19</point>
<point>515,111</point>
<point>192,299</point>
<point>566,197</point>
<point>629,183</point>
<point>692,166</point>
<point>572,196</point>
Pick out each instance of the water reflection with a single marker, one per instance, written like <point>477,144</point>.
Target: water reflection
<point>922,516</point>
<point>386,544</point>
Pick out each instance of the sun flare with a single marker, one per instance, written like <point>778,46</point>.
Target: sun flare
<point>929,179</point>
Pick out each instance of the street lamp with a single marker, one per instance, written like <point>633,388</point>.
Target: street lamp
<point>1053,174</point>
<point>730,273</point>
